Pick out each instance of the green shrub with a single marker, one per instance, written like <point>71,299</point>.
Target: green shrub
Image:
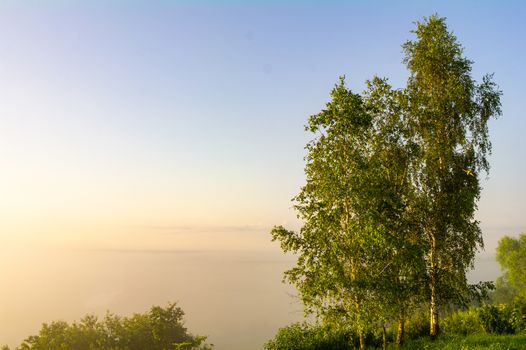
<point>496,319</point>
<point>463,322</point>
<point>518,314</point>
<point>310,337</point>
<point>158,329</point>
<point>417,325</point>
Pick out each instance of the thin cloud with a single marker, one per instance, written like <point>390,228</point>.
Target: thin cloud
<point>208,229</point>
<point>148,251</point>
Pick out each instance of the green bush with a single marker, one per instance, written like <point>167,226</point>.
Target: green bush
<point>463,322</point>
<point>160,328</point>
<point>417,325</point>
<point>518,314</point>
<point>310,337</point>
<point>496,319</point>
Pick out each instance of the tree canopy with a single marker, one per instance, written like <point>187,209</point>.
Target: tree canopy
<point>392,182</point>
<point>511,255</point>
<point>161,328</point>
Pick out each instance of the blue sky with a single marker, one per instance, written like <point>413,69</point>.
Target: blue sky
<point>197,109</point>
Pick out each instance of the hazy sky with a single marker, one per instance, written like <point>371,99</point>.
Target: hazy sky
<point>178,126</point>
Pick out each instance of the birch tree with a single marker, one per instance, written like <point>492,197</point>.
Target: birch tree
<point>449,114</point>
<point>392,183</point>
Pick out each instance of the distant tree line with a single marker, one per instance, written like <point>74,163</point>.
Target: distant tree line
<point>161,328</point>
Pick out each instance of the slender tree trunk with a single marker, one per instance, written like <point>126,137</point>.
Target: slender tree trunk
<point>362,340</point>
<point>384,337</point>
<point>433,324</point>
<point>433,309</point>
<point>400,332</point>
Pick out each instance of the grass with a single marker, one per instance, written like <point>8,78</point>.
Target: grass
<point>470,342</point>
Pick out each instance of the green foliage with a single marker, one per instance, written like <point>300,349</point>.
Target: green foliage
<point>463,322</point>
<point>470,342</point>
<point>449,114</point>
<point>496,319</point>
<point>417,324</point>
<point>482,327</point>
<point>392,181</point>
<point>518,314</point>
<point>159,329</point>
<point>503,293</point>
<point>479,294</point>
<point>359,257</point>
<point>511,255</point>
<point>490,318</point>
<point>504,318</point>
<point>461,330</point>
<point>310,337</point>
